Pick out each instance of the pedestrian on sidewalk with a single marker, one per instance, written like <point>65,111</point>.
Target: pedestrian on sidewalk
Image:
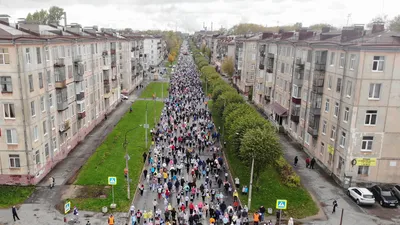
<point>335,204</point>
<point>14,213</point>
<point>312,163</point>
<point>111,220</point>
<point>76,215</point>
<point>132,209</point>
<point>307,162</point>
<point>155,203</point>
<point>296,159</point>
<point>144,157</point>
<point>141,189</point>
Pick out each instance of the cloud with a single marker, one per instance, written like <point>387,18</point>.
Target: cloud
<point>189,15</point>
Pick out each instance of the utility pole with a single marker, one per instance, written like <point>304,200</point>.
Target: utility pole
<point>341,217</point>
<point>125,145</point>
<point>146,126</point>
<point>251,181</point>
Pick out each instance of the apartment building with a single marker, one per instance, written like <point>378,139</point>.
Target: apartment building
<point>57,83</point>
<point>336,94</point>
<point>154,50</point>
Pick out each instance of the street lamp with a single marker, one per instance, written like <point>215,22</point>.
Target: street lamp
<point>125,145</point>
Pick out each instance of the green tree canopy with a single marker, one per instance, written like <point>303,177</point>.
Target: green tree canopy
<point>264,146</point>
<point>394,24</point>
<point>228,66</point>
<point>53,15</point>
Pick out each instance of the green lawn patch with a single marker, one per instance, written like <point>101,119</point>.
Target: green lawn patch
<point>13,195</point>
<point>300,203</point>
<point>155,87</point>
<point>108,160</point>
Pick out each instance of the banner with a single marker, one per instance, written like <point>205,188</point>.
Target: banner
<point>331,150</point>
<point>366,161</point>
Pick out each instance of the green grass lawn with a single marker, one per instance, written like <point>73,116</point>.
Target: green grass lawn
<point>157,88</point>
<point>300,203</point>
<point>13,195</point>
<point>108,160</point>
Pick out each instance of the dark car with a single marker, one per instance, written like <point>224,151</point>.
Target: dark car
<point>384,196</point>
<point>396,191</point>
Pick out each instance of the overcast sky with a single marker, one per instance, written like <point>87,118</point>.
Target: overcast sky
<point>189,15</point>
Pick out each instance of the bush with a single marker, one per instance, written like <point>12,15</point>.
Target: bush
<point>288,176</point>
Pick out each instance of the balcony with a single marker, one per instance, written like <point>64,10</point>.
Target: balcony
<point>318,85</point>
<point>81,115</point>
<point>295,116</point>
<point>104,53</point>
<point>107,88</point>
<point>64,126</point>
<point>315,110</point>
<point>80,96</point>
<point>319,67</point>
<point>312,131</point>
<point>260,79</point>
<point>299,63</point>
<point>107,95</point>
<point>59,62</point>
<point>298,79</point>
<point>113,51</point>
<point>113,64</point>
<point>77,59</point>
<point>271,56</point>
<point>268,84</point>
<point>62,105</point>
<point>261,67</point>
<point>61,84</point>
<point>296,100</point>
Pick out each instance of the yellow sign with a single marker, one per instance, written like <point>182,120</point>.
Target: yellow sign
<point>366,161</point>
<point>331,150</point>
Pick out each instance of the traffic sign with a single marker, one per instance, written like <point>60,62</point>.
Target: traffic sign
<point>112,180</point>
<point>281,204</point>
<point>67,207</point>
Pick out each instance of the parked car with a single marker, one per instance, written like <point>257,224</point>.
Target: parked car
<point>384,196</point>
<point>396,191</point>
<point>124,97</point>
<point>361,195</point>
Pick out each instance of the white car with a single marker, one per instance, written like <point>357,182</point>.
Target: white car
<point>361,195</point>
<point>124,97</point>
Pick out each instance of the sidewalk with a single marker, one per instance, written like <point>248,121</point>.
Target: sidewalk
<point>39,208</point>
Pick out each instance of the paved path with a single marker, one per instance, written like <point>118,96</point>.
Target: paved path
<point>39,209</point>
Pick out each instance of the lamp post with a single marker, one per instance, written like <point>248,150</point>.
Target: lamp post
<point>125,145</point>
<point>146,125</point>
<point>251,181</point>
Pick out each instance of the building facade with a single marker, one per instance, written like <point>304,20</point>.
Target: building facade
<point>336,94</point>
<point>57,83</point>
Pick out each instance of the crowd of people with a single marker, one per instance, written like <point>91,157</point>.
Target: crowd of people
<point>185,180</point>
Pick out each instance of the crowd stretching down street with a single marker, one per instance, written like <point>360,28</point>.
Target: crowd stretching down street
<point>185,180</point>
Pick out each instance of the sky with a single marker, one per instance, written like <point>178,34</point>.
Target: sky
<point>190,15</point>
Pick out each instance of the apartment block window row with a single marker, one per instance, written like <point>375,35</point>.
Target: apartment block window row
<point>336,111</point>
<point>342,60</point>
<point>333,133</point>
<point>366,144</point>
<point>349,90</point>
<point>374,91</point>
<point>352,62</point>
<point>324,124</point>
<point>28,55</point>
<point>327,105</point>
<point>6,84</point>
<point>11,136</point>
<point>4,56</point>
<point>339,85</point>
<point>15,161</point>
<point>370,117</point>
<point>9,111</point>
<point>343,139</point>
<point>346,114</point>
<point>378,63</point>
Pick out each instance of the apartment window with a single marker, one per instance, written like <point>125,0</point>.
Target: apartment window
<point>253,56</point>
<point>40,80</point>
<point>42,104</point>
<point>70,71</point>
<point>9,111</point>
<point>46,150</point>
<point>366,144</point>
<point>253,67</point>
<point>51,100</point>
<point>53,123</point>
<point>35,133</point>
<point>363,170</point>
<point>296,91</point>
<point>45,127</point>
<point>340,163</point>
<point>33,111</point>
<point>12,136</point>
<point>6,84</point>
<point>336,111</point>
<point>374,91</point>
<point>342,59</point>
<point>49,78</point>
<point>346,114</point>
<point>282,67</point>
<point>254,46</point>
<point>14,161</point>
<point>329,82</point>
<point>339,85</point>
<point>327,105</point>
<point>332,59</point>
<point>307,138</point>
<point>324,127</point>
<point>352,61</point>
<point>37,157</point>
<point>47,53</point>
<point>349,86</point>
<point>28,55</point>
<point>343,139</point>
<point>38,55</point>
<point>321,151</point>
<point>370,117</point>
<point>30,78</point>
<point>333,133</point>
<point>4,56</point>
<point>54,144</point>
<point>378,63</point>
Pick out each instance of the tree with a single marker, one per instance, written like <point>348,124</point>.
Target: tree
<point>225,99</point>
<point>394,24</point>
<point>245,28</point>
<point>264,146</point>
<point>55,14</point>
<point>377,19</point>
<point>228,66</point>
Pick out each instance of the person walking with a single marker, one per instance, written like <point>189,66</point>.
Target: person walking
<point>312,163</point>
<point>335,204</point>
<point>14,213</point>
<point>111,220</point>
<point>296,159</point>
<point>76,215</point>
<point>307,162</point>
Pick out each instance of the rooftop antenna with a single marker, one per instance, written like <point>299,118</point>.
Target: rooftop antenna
<point>348,18</point>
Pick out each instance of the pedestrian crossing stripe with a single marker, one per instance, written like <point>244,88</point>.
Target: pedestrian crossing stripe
<point>281,204</point>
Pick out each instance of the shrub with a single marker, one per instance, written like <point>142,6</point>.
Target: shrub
<point>288,176</point>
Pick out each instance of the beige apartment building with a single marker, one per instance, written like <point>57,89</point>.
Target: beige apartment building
<point>57,84</point>
<point>336,94</point>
